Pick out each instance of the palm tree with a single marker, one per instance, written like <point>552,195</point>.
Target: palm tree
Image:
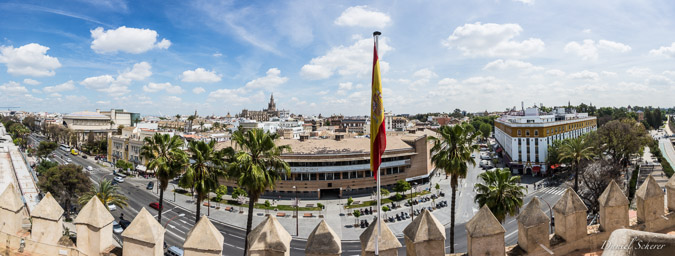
<point>177,117</point>
<point>201,125</point>
<point>190,119</point>
<point>501,192</point>
<point>451,153</point>
<point>166,158</point>
<point>257,166</point>
<point>107,193</point>
<point>574,151</point>
<point>204,171</point>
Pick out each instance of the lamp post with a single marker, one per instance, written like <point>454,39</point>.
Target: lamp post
<point>297,216</point>
<point>412,210</point>
<point>550,212</point>
<point>179,215</point>
<point>174,192</point>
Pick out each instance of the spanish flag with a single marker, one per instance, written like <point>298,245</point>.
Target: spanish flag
<point>378,137</point>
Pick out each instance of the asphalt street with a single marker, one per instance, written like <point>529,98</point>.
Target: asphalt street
<point>178,226</point>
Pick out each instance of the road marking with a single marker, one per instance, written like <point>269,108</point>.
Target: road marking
<point>176,235</point>
<point>231,245</point>
<point>510,234</point>
<point>184,222</point>
<point>165,212</point>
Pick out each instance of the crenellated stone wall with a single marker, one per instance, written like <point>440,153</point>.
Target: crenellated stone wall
<point>425,236</point>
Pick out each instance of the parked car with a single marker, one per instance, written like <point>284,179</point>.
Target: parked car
<point>174,251</point>
<point>119,179</point>
<point>69,160</point>
<point>84,156</point>
<point>117,228</point>
<point>89,168</point>
<point>155,205</point>
<point>150,185</point>
<point>112,207</point>
<point>114,182</point>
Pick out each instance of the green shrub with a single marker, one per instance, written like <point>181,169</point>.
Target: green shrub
<point>385,208</point>
<point>350,200</point>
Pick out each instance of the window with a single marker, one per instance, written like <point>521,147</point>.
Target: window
<point>527,133</point>
<point>518,133</point>
<point>536,133</point>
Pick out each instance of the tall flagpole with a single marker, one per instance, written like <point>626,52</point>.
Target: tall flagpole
<point>377,34</point>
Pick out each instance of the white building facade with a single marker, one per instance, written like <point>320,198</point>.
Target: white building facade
<point>524,139</point>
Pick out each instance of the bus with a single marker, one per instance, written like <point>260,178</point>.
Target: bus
<point>64,147</point>
<point>74,152</point>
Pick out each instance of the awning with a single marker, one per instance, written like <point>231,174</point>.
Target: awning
<point>498,150</point>
<point>141,168</point>
<point>536,169</point>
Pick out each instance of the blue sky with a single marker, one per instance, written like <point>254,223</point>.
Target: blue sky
<point>216,57</point>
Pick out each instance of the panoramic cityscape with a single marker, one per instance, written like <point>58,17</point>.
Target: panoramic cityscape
<point>513,127</point>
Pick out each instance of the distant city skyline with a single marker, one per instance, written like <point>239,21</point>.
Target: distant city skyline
<point>217,57</point>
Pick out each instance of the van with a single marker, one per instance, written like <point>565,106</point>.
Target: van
<point>174,251</point>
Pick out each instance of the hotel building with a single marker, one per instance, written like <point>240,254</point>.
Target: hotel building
<point>339,167</point>
<point>524,137</point>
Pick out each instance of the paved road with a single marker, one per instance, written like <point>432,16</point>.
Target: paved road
<point>177,229</point>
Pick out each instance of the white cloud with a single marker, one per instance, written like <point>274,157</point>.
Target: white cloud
<point>29,60</point>
<point>140,71</point>
<point>588,50</point>
<point>217,54</point>
<point>120,85</point>
<point>608,73</point>
<point>198,90</point>
<point>103,102</point>
<point>323,92</point>
<point>29,81</point>
<point>156,87</point>
<point>36,91</point>
<point>67,86</point>
<point>666,51</point>
<point>424,73</point>
<point>200,75</point>
<point>359,16</point>
<point>639,71</point>
<point>586,31</point>
<point>352,60</point>
<point>555,72</point>
<point>343,88</point>
<point>55,95</point>
<point>12,87</point>
<point>130,40</point>
<point>511,64</point>
<point>585,75</point>
<point>173,99</point>
<point>268,82</point>
<point>492,40</point>
<point>528,2</point>
<point>98,82</point>
<point>613,46</point>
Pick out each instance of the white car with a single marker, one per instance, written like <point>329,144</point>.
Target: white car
<point>69,160</point>
<point>119,179</point>
<point>89,168</point>
<point>117,228</point>
<point>112,207</point>
<point>485,156</point>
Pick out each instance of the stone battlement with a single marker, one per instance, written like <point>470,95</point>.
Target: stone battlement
<point>425,236</point>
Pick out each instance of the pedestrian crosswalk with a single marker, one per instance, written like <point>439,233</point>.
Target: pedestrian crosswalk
<point>552,190</point>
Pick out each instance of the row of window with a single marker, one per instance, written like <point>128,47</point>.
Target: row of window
<point>552,130</point>
<point>341,175</point>
<point>341,163</point>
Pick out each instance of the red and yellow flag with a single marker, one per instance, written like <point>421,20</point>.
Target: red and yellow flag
<point>378,137</point>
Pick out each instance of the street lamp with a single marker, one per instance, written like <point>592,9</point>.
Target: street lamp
<point>174,192</point>
<point>550,212</point>
<point>297,216</point>
<point>412,211</point>
<point>179,215</point>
